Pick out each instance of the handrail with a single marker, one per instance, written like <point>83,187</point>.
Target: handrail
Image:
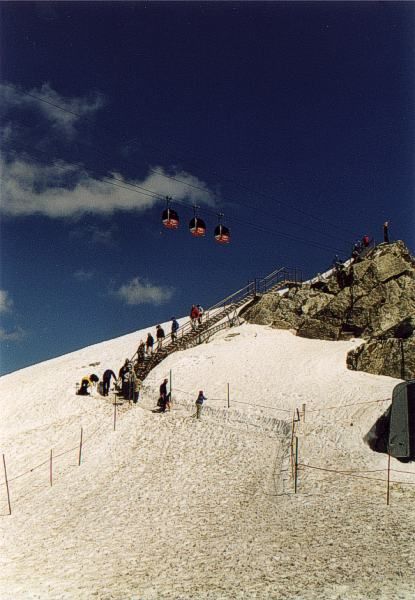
<point>222,307</point>
<point>248,288</point>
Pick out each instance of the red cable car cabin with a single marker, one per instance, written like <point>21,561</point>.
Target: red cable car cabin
<point>222,234</point>
<point>197,227</point>
<point>170,218</point>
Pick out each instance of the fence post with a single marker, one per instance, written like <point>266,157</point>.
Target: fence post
<point>229,403</point>
<point>304,413</point>
<point>115,411</point>
<point>296,465</point>
<point>7,485</point>
<point>50,468</point>
<point>292,445</point>
<point>388,486</point>
<point>80,450</point>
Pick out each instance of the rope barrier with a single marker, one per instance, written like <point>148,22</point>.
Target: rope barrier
<point>225,400</point>
<point>407,472</point>
<point>55,456</point>
<point>29,471</point>
<point>351,474</point>
<point>345,405</point>
<point>286,410</point>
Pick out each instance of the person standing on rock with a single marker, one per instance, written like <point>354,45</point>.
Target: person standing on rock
<point>199,404</point>
<point>386,232</point>
<point>366,241</point>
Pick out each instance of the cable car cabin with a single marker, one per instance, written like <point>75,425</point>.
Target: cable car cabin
<point>197,227</point>
<point>222,234</point>
<point>170,218</point>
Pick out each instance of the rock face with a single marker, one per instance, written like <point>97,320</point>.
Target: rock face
<point>372,298</point>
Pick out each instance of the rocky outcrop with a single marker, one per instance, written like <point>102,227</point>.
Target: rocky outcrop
<point>372,298</point>
<point>393,356</point>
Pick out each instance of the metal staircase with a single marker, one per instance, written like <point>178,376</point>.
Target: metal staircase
<point>222,314</point>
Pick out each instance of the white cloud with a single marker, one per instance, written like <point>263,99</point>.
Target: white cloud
<point>61,190</point>
<point>96,235</point>
<point>12,336</point>
<point>6,303</point>
<point>82,275</point>
<point>74,108</point>
<point>140,291</point>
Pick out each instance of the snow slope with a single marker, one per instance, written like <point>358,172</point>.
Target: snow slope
<point>169,507</point>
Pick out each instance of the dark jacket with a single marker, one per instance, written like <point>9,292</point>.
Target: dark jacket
<point>150,340</point>
<point>108,374</point>
<point>200,399</point>
<point>174,326</point>
<point>123,371</point>
<point>160,333</point>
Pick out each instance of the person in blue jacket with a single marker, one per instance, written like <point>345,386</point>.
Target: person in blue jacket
<point>199,404</point>
<point>174,328</point>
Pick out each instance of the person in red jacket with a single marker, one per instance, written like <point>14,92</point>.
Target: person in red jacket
<point>366,241</point>
<point>194,316</point>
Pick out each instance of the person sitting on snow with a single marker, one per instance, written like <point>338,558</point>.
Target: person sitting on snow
<point>86,382</point>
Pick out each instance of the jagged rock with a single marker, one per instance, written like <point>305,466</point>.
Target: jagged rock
<point>393,357</point>
<point>372,298</point>
<point>316,329</point>
<point>337,308</point>
<point>402,330</point>
<point>390,265</point>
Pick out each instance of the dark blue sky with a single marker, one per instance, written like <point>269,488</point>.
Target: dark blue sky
<point>294,119</point>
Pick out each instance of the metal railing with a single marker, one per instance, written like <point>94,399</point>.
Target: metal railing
<point>192,332</point>
<point>277,278</point>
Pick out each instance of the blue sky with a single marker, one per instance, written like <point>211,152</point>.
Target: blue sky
<point>293,119</point>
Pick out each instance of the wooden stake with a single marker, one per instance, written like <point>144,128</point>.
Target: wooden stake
<point>292,446</point>
<point>80,450</point>
<point>115,411</point>
<point>296,465</point>
<point>50,468</point>
<point>304,413</point>
<point>7,485</point>
<point>388,488</point>
<point>229,402</point>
